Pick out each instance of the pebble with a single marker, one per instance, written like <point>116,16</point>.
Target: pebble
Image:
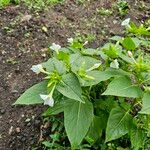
<point>14,91</point>
<point>23,139</point>
<point>10,130</point>
<point>2,111</point>
<point>37,122</point>
<point>28,120</point>
<point>18,130</point>
<point>28,124</point>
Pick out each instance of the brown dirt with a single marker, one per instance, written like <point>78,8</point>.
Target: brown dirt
<point>23,43</point>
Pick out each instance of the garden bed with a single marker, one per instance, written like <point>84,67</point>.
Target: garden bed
<point>24,37</point>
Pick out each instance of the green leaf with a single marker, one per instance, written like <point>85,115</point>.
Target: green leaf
<point>78,117</point>
<point>98,77</point>
<point>128,43</point>
<point>95,130</point>
<point>118,124</point>
<point>123,87</point>
<point>126,58</point>
<point>32,95</point>
<point>56,109</point>
<point>136,41</point>
<point>137,138</point>
<point>90,51</point>
<point>77,61</point>
<point>101,76</point>
<point>116,38</point>
<point>54,64</point>
<point>146,104</point>
<point>70,87</point>
<point>112,50</point>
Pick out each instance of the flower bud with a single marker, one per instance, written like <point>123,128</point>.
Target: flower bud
<point>130,54</point>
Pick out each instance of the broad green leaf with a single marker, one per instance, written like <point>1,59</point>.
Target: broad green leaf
<point>78,117</point>
<point>90,51</point>
<point>126,58</point>
<point>146,104</point>
<point>136,41</point>
<point>118,124</point>
<point>54,64</point>
<point>101,76</point>
<point>137,138</point>
<point>77,61</point>
<point>123,87</point>
<point>95,130</point>
<point>32,95</point>
<point>98,77</point>
<point>70,87</point>
<point>128,43</point>
<point>116,38</point>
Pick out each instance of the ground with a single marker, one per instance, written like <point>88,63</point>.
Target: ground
<point>24,42</point>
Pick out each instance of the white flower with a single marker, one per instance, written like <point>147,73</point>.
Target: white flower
<point>94,67</point>
<point>55,47</point>
<point>130,54</point>
<point>126,22</point>
<point>114,64</point>
<point>48,99</point>
<point>86,42</point>
<point>37,68</point>
<point>70,40</point>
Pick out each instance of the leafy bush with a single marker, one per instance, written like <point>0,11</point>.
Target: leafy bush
<point>103,93</point>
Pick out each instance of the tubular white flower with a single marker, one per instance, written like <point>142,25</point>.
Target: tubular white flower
<point>70,40</point>
<point>114,64</point>
<point>126,22</point>
<point>55,47</point>
<point>37,68</point>
<point>130,54</point>
<point>48,99</point>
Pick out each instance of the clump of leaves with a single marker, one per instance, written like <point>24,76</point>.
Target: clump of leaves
<point>123,7</point>
<point>4,3</point>
<point>40,4</point>
<point>137,30</point>
<point>104,11</point>
<point>103,93</point>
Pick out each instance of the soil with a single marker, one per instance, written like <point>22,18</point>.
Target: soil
<point>23,43</point>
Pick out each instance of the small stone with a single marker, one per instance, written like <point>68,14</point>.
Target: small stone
<point>2,111</point>
<point>23,139</point>
<point>26,18</point>
<point>37,122</point>
<point>14,92</point>
<point>28,124</point>
<point>18,130</point>
<point>115,21</point>
<point>10,130</point>
<point>28,120</point>
<point>22,115</point>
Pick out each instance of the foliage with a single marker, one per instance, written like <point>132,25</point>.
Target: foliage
<point>40,4</point>
<point>103,93</point>
<point>123,7</point>
<point>36,4</point>
<point>4,3</point>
